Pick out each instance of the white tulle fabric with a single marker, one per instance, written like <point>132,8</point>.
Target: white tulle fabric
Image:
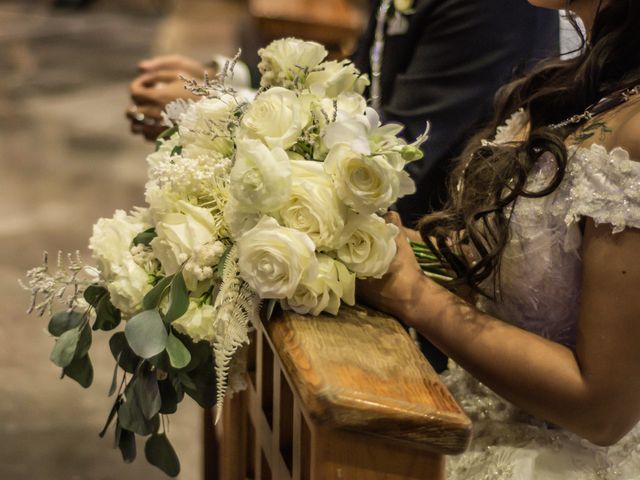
<point>540,281</point>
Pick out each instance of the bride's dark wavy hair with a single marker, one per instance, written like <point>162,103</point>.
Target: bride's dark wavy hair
<point>488,179</point>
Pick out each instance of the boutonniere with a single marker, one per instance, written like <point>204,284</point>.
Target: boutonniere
<point>398,23</point>
<point>404,7</point>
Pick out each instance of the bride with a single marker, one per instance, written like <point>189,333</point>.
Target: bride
<point>544,226</point>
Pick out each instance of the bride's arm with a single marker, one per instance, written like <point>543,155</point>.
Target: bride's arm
<point>594,391</point>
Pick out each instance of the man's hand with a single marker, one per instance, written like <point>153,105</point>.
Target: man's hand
<point>158,85</point>
<point>187,66</point>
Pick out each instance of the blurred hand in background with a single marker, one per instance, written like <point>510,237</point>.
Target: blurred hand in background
<point>158,84</point>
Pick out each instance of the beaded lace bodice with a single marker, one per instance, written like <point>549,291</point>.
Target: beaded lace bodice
<point>540,291</point>
<point>539,288</point>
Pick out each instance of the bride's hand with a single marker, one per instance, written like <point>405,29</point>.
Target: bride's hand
<point>396,291</point>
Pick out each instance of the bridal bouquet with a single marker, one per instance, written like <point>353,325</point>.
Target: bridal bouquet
<point>273,199</point>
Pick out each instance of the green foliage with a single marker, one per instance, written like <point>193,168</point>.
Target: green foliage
<point>200,384</point>
<point>153,298</point>
<point>200,351</point>
<point>147,393</point>
<point>271,305</point>
<point>145,237</point>
<point>80,370</point>
<point>170,396</point>
<point>146,334</point>
<point>93,293</point>
<point>165,135</point>
<point>64,321</point>
<point>126,442</point>
<point>160,453</point>
<point>123,354</point>
<point>130,412</point>
<point>65,348</point>
<point>179,296</point>
<point>179,355</point>
<point>108,317</point>
<point>114,380</point>
<point>84,342</point>
<point>111,416</point>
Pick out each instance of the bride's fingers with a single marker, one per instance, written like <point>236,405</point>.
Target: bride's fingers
<point>393,217</point>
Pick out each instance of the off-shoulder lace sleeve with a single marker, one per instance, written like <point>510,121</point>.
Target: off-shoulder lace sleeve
<point>604,186</point>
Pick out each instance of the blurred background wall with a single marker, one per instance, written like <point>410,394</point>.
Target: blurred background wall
<point>67,158</point>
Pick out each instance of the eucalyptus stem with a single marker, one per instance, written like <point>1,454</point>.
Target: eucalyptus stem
<point>430,263</point>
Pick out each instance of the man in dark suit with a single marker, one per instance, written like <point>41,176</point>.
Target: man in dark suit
<point>443,64</point>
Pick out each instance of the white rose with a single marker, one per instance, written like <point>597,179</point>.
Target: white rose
<point>205,125</point>
<point>110,245</point>
<point>260,177</point>
<point>198,322</point>
<point>353,130</point>
<point>285,60</point>
<point>181,235</point>
<point>347,105</point>
<point>276,118</point>
<point>324,292</point>
<point>240,218</point>
<point>333,78</point>
<point>273,260</point>
<point>366,184</point>
<point>370,245</point>
<point>313,207</point>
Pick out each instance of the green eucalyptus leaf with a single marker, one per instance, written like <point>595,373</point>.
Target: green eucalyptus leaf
<point>177,150</point>
<point>122,353</point>
<point>146,334</point>
<point>179,296</point>
<point>147,393</point>
<point>130,413</point>
<point>64,321</point>
<point>65,348</point>
<point>179,355</point>
<point>114,380</point>
<point>203,379</point>
<point>170,397</point>
<point>93,293</point>
<point>80,370</point>
<point>84,342</point>
<point>145,237</point>
<point>161,361</point>
<point>153,298</point>
<point>160,453</point>
<point>199,351</point>
<point>186,382</point>
<point>111,416</point>
<point>126,441</point>
<point>108,316</point>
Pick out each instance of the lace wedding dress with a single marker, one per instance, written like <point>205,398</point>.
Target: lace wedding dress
<point>540,281</point>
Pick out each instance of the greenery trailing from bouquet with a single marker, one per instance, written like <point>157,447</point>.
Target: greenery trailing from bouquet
<point>275,198</point>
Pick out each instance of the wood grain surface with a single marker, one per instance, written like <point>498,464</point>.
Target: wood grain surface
<point>361,371</point>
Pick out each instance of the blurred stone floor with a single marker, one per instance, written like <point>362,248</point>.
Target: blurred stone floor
<point>67,158</point>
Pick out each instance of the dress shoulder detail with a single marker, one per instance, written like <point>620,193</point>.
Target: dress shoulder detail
<point>604,185</point>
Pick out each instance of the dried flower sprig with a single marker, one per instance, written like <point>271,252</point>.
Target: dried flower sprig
<point>65,285</point>
<point>215,87</point>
